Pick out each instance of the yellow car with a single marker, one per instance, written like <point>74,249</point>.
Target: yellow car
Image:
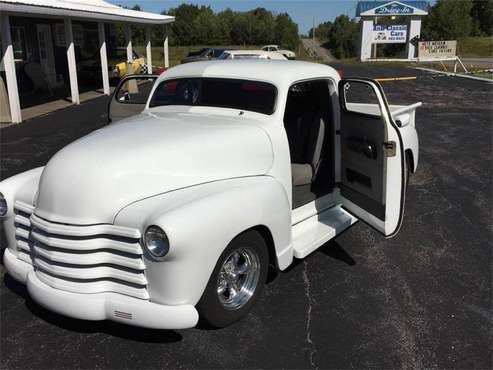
<point>118,63</point>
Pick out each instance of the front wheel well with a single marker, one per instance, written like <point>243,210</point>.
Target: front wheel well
<point>271,249</point>
<point>269,240</point>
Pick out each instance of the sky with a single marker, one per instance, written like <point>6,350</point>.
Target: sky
<point>302,12</point>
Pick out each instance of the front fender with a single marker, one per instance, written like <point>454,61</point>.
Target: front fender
<point>21,187</point>
<point>200,222</point>
<point>411,143</point>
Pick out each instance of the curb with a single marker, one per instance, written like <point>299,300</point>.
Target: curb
<point>453,74</point>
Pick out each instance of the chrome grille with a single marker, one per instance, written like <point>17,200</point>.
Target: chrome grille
<point>82,259</point>
<point>22,224</point>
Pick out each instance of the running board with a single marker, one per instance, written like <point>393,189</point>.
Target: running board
<point>315,231</point>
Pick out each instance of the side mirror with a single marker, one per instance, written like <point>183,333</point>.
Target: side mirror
<point>124,97</point>
<point>403,120</point>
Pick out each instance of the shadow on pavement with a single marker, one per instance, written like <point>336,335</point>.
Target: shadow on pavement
<point>331,249</point>
<point>334,250</point>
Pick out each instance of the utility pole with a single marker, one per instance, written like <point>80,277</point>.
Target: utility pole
<point>313,31</point>
<point>375,44</point>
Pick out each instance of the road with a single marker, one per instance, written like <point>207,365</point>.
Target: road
<point>420,300</point>
<point>487,63</point>
<point>313,47</point>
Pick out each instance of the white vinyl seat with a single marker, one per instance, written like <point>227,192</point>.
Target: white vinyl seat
<point>306,137</point>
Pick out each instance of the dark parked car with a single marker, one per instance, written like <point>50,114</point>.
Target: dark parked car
<point>204,54</point>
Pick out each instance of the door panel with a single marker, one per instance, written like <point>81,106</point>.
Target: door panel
<point>130,96</point>
<point>371,156</point>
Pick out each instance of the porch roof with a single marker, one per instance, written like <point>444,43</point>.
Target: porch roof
<point>82,9</point>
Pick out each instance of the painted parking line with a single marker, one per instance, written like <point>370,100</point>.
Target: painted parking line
<point>385,79</point>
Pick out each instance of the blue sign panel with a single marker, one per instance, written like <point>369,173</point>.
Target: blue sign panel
<point>394,9</point>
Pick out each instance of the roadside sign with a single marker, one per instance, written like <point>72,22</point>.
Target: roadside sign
<point>394,8</point>
<point>389,34</point>
<point>391,8</point>
<point>437,49</point>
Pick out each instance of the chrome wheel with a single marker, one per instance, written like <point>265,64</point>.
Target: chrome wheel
<point>238,278</point>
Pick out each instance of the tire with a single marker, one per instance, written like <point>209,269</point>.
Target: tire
<point>222,309</point>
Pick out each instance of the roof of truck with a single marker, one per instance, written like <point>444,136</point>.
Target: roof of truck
<point>277,72</point>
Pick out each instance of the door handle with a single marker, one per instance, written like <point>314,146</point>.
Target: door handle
<point>362,146</point>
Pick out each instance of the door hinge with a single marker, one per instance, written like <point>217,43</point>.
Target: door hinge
<point>389,148</point>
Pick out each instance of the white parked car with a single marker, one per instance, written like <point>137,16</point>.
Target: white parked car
<point>251,54</point>
<point>275,48</point>
<point>176,210</point>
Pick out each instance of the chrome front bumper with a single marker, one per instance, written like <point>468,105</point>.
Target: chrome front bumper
<point>101,306</point>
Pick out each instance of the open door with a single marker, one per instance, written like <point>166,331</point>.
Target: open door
<point>130,96</point>
<point>372,156</point>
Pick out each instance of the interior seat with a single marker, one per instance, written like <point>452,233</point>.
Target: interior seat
<point>306,137</point>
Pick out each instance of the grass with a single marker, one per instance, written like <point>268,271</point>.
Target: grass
<point>474,47</point>
<point>487,75</point>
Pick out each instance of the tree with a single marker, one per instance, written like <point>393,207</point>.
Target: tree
<point>482,14</point>
<point>199,25</point>
<point>448,20</point>
<point>343,37</point>
<point>321,31</point>
<point>286,32</point>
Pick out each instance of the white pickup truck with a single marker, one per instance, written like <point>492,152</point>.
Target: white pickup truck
<point>205,178</point>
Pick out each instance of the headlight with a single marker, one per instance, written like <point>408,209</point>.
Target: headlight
<point>156,242</point>
<point>3,206</point>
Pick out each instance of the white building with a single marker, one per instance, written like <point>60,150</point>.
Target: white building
<point>43,38</point>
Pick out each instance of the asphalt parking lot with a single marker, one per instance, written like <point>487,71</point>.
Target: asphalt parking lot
<point>422,299</point>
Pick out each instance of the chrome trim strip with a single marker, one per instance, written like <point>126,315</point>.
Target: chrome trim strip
<point>94,258</point>
<point>91,287</point>
<point>88,273</point>
<point>24,207</point>
<point>87,244</point>
<point>89,230</point>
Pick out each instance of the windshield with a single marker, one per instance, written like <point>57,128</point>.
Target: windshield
<point>252,96</point>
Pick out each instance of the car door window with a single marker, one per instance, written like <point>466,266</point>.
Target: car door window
<point>130,96</point>
<point>361,98</point>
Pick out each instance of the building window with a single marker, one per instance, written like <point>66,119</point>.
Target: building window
<point>19,43</point>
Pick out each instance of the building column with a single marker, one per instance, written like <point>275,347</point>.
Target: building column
<point>166,52</point>
<point>413,31</point>
<point>104,58</point>
<point>9,65</point>
<point>128,41</point>
<point>366,38</point>
<point>148,50</point>
<point>72,65</point>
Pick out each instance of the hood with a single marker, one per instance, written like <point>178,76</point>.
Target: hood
<point>90,180</point>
